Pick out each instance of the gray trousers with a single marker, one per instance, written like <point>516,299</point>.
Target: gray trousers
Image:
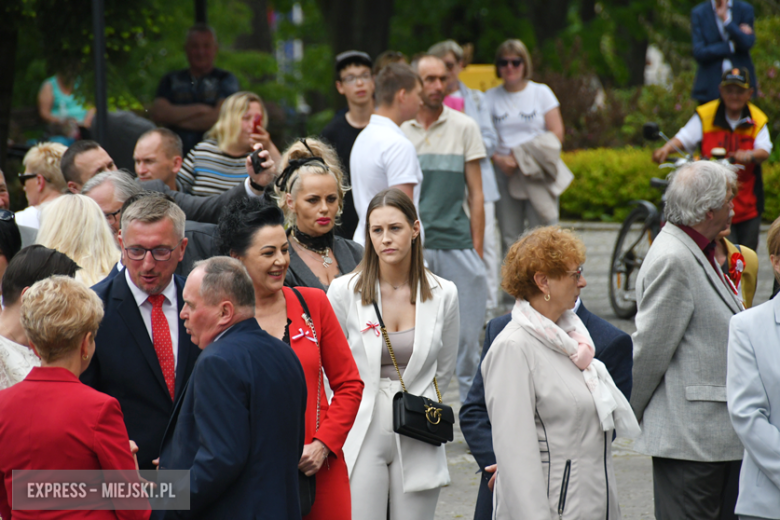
<point>746,233</point>
<point>514,216</point>
<point>465,269</point>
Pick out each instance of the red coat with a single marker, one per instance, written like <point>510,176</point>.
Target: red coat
<point>51,420</point>
<point>333,500</point>
<point>343,377</point>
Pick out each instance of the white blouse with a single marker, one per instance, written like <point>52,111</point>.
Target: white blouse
<point>16,361</point>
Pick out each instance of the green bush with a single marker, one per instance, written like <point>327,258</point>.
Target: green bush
<point>606,180</point>
<point>771,175</point>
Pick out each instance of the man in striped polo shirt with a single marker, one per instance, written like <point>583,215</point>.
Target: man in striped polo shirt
<point>449,147</point>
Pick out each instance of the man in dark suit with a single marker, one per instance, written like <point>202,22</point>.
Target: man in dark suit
<point>143,355</point>
<point>722,37</point>
<point>240,431</point>
<point>613,348</point>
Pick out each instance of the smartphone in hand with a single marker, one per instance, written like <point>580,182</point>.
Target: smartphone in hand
<point>258,123</point>
<point>256,161</point>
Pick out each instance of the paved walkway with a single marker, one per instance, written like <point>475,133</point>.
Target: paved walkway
<point>633,471</point>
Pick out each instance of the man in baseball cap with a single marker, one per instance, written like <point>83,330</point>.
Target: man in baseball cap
<point>355,82</point>
<point>733,123</point>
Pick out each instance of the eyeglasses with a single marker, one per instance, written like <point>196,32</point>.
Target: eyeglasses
<point>351,78</point>
<point>516,62</point>
<point>7,216</point>
<point>160,254</point>
<point>111,217</point>
<point>576,274</point>
<point>24,177</point>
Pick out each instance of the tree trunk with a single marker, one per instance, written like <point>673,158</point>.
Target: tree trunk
<point>260,37</point>
<point>8,40</point>
<point>548,17</point>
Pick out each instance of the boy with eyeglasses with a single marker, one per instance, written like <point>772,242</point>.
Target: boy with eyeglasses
<point>354,81</point>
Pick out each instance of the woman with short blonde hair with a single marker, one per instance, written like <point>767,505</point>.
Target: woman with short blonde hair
<point>553,407</point>
<point>42,181</point>
<point>84,429</point>
<point>76,226</point>
<point>217,163</point>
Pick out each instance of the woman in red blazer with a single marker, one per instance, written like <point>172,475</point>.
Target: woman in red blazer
<point>50,420</point>
<point>254,233</point>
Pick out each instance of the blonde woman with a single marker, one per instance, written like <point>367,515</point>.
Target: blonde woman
<point>217,163</point>
<point>310,191</point>
<point>42,181</point>
<point>75,225</point>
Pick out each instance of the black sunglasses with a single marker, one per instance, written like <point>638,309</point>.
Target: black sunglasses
<point>24,177</point>
<point>7,216</point>
<point>516,62</point>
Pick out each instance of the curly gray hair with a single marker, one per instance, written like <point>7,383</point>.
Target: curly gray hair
<point>697,188</point>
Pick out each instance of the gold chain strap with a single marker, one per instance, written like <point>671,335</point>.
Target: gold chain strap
<point>308,321</point>
<point>395,364</point>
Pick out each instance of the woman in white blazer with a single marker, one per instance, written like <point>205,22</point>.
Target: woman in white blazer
<point>753,395</point>
<point>420,311</point>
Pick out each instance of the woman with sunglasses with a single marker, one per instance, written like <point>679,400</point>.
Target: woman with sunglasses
<point>521,110</point>
<point>310,191</point>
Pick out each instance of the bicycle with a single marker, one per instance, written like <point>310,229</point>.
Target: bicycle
<point>636,236</point>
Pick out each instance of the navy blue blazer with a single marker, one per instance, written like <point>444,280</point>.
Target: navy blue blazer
<point>709,48</point>
<point>614,348</point>
<point>125,366</point>
<point>240,429</point>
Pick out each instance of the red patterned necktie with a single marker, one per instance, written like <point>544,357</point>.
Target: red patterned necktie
<point>161,336</point>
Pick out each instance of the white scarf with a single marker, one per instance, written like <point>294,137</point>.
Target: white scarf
<point>611,405</point>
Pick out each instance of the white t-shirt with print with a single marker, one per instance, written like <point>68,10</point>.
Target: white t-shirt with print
<point>519,116</point>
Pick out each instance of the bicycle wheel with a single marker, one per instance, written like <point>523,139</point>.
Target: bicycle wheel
<point>631,247</point>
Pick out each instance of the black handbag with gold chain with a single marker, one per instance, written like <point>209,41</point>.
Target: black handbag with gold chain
<point>416,416</point>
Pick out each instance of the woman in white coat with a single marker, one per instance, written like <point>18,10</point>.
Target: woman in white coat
<point>753,393</point>
<point>552,406</point>
<point>420,311</point>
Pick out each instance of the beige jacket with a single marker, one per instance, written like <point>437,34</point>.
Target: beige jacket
<point>542,175</point>
<point>543,417</point>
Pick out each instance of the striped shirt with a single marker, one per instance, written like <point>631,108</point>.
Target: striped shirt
<point>207,170</point>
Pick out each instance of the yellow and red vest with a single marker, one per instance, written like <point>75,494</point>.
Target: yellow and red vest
<point>717,133</point>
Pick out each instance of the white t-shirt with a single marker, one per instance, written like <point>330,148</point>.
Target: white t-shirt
<point>29,217</point>
<point>519,116</point>
<point>382,156</point>
<point>692,133</point>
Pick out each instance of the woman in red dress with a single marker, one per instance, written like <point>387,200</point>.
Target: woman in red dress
<point>254,233</point>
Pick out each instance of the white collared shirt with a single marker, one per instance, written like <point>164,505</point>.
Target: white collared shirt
<point>170,309</point>
<point>722,29</point>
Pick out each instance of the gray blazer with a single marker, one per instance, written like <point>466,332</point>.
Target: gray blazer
<point>348,255</point>
<point>679,393</point>
<point>199,209</point>
<point>753,388</point>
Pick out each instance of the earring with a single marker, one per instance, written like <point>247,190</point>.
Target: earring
<point>547,297</point>
<point>85,358</point>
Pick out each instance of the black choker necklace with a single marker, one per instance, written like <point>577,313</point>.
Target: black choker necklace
<point>319,245</point>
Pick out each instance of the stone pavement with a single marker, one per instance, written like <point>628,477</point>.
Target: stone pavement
<point>633,471</point>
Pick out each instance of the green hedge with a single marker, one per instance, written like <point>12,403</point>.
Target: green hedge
<point>606,180</point>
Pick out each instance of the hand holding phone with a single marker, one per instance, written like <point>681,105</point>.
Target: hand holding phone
<point>258,124</point>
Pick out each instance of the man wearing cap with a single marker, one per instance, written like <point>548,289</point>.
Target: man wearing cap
<point>355,82</point>
<point>722,34</point>
<point>740,128</point>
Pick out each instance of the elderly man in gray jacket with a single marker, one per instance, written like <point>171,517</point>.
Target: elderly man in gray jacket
<point>684,306</point>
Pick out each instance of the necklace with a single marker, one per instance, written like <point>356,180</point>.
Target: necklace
<point>396,287</point>
<point>324,253</point>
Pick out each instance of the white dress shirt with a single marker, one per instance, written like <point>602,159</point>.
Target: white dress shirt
<point>722,29</point>
<point>170,309</point>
